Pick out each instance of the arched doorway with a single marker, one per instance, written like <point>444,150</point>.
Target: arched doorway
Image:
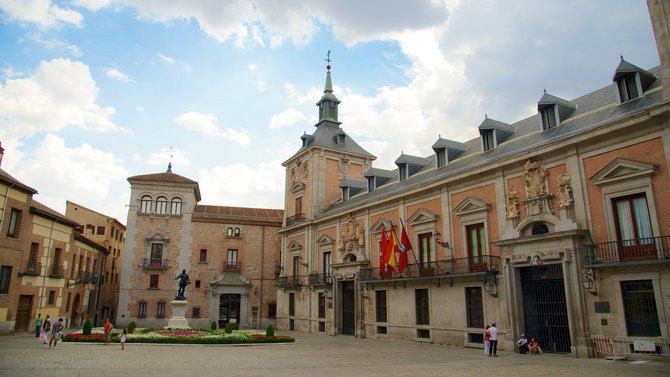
<point>75,311</point>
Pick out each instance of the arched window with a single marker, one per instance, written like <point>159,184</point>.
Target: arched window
<point>161,205</point>
<point>230,232</point>
<point>539,228</point>
<point>176,206</point>
<point>237,232</point>
<point>145,207</point>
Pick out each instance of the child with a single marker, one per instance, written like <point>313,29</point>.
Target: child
<point>123,338</point>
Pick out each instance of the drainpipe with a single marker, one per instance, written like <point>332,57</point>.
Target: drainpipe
<point>260,309</point>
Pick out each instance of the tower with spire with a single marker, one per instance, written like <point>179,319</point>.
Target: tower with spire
<point>325,158</point>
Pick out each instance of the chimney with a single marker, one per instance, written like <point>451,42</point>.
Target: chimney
<point>659,11</point>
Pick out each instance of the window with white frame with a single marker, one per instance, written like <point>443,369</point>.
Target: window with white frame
<point>176,206</point>
<point>161,205</point>
<point>631,215</point>
<point>145,206</point>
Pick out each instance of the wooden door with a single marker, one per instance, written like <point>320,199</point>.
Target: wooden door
<point>23,312</point>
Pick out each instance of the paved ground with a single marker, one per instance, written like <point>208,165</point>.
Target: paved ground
<point>311,355</point>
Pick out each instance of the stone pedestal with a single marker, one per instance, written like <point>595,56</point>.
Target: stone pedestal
<point>178,319</point>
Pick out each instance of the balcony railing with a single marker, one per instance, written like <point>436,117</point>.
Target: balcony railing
<point>450,267</point>
<point>320,279</point>
<point>56,272</point>
<point>290,281</point>
<point>299,217</point>
<point>33,269</point>
<point>232,266</point>
<point>635,251</point>
<point>154,264</point>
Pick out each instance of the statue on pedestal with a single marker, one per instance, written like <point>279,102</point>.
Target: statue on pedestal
<point>183,282</point>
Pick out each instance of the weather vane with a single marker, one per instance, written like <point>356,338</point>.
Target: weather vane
<point>327,59</point>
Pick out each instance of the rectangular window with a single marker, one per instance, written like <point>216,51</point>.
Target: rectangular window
<point>203,255</point>
<point>52,298</point>
<point>142,310</point>
<point>55,263</point>
<point>548,117</point>
<point>423,333</point>
<point>628,88</point>
<point>422,307</point>
<point>101,230</point>
<point>196,313</point>
<point>632,219</point>
<point>81,263</point>
<point>232,257</point>
<point>5,276</point>
<point>327,264</point>
<point>380,306</point>
<point>402,172</point>
<point>640,308</point>
<point>33,266</point>
<point>197,284</point>
<point>160,310</point>
<point>153,281</point>
<point>322,326</point>
<point>296,266</point>
<point>156,251</point>
<point>474,307</point>
<point>67,302</point>
<point>382,330</point>
<point>14,223</point>
<point>322,305</point>
<point>426,250</point>
<point>272,310</point>
<point>72,265</point>
<point>487,140</point>
<point>298,205</point>
<point>441,156</point>
<point>291,304</point>
<point>476,242</point>
<point>371,184</point>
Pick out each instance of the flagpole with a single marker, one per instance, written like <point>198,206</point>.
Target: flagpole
<point>416,260</point>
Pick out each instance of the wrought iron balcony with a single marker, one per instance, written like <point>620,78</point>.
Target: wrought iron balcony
<point>445,268</point>
<point>232,266</point>
<point>299,217</point>
<point>154,264</point>
<point>289,281</point>
<point>56,272</point>
<point>33,269</point>
<point>635,251</point>
<point>320,279</point>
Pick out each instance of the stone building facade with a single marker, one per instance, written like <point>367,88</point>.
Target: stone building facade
<point>231,255</point>
<point>555,226</point>
<point>110,233</point>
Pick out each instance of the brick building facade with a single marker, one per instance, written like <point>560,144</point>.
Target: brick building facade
<point>555,226</point>
<point>230,254</point>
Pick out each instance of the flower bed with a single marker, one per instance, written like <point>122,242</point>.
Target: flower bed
<point>182,336</point>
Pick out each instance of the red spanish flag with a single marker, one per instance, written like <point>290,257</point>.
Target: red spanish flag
<point>405,246</point>
<point>392,248</point>
<point>383,253</point>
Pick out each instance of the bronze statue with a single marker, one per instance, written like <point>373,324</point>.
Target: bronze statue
<point>183,282</point>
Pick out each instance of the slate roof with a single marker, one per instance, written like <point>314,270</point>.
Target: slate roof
<point>409,159</point>
<point>51,214</point>
<point>348,182</point>
<point>625,67</point>
<point>238,214</point>
<point>325,136</point>
<point>376,172</point>
<point>593,110</point>
<point>548,99</point>
<point>450,144</point>
<point>492,124</point>
<point>9,180</point>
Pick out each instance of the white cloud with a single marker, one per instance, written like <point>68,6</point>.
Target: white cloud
<point>253,186</point>
<point>276,41</point>
<point>165,155</point>
<point>60,93</point>
<point>167,59</point>
<point>140,109</point>
<point>81,173</point>
<point>92,4</point>
<point>206,124</point>
<point>251,67</point>
<point>43,13</point>
<point>118,75</point>
<point>287,118</point>
<point>56,44</point>
<point>261,85</point>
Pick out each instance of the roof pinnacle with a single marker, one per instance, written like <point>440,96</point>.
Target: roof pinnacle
<point>169,170</point>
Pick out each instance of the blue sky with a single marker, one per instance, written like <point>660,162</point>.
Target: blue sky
<point>93,91</point>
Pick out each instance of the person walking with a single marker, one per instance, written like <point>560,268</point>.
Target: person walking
<point>38,324</point>
<point>46,328</point>
<point>56,329</point>
<point>487,338</point>
<point>122,340</point>
<point>493,341</point>
<point>107,328</point>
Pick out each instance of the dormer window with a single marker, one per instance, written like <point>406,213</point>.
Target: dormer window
<point>548,115</point>
<point>340,138</point>
<point>402,172</point>
<point>371,184</point>
<point>304,143</point>
<point>345,193</point>
<point>488,141</point>
<point>629,87</point>
<point>441,156</point>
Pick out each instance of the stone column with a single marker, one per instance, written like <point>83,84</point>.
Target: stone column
<point>659,10</point>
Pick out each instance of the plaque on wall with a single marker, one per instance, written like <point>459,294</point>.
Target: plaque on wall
<point>602,306</point>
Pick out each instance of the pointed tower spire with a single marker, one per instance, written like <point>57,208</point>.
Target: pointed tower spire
<point>328,103</point>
